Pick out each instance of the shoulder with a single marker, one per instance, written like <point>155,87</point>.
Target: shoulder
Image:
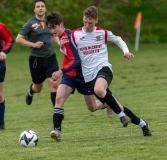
<point>2,25</point>
<point>68,31</point>
<point>102,30</point>
<point>99,28</point>
<point>77,30</point>
<point>31,21</point>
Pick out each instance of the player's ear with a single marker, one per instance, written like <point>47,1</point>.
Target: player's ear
<point>62,24</point>
<point>97,20</point>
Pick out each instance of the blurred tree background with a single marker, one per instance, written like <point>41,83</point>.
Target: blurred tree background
<point>115,15</point>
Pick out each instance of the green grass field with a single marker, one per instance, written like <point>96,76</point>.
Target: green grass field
<point>139,83</point>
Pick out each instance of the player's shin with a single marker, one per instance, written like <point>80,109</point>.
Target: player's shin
<point>57,118</point>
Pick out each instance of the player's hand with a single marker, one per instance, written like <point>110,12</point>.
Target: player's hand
<point>56,75</point>
<point>128,55</point>
<point>38,44</point>
<point>2,56</point>
<point>63,41</point>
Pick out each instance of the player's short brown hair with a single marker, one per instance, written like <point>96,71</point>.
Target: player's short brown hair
<point>54,18</point>
<point>91,12</point>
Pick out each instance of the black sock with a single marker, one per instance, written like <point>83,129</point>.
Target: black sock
<point>31,91</point>
<point>57,118</point>
<point>103,107</point>
<point>53,98</point>
<point>134,119</point>
<point>110,100</point>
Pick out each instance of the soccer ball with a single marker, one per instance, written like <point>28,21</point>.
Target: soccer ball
<point>28,138</point>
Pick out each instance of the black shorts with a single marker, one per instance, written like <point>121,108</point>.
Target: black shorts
<point>2,73</point>
<point>42,68</point>
<point>76,83</point>
<point>105,73</point>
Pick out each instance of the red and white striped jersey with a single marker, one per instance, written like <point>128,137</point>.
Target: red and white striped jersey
<point>92,49</point>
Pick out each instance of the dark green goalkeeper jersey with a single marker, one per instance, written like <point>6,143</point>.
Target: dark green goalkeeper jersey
<point>36,30</point>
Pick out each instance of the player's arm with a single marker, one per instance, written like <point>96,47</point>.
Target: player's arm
<point>120,43</point>
<point>8,38</point>
<point>20,39</point>
<point>56,40</point>
<point>72,54</point>
<point>56,75</point>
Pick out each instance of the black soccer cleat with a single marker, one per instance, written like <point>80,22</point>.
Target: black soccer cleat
<point>2,125</point>
<point>28,98</point>
<point>145,129</point>
<point>125,120</point>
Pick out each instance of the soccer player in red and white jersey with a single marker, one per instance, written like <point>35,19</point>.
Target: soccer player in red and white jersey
<point>5,48</point>
<point>72,77</point>
<point>90,42</point>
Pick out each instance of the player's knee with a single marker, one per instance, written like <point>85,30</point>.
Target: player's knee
<point>100,92</point>
<point>37,90</point>
<point>91,109</point>
<point>54,86</point>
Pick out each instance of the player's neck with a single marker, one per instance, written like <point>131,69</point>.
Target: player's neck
<point>40,17</point>
<point>89,30</point>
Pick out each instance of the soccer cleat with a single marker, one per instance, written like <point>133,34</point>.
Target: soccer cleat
<point>109,112</point>
<point>28,98</point>
<point>145,129</point>
<point>125,120</point>
<point>2,125</point>
<point>55,135</point>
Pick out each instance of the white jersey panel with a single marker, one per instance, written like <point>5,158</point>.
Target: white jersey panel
<point>118,41</point>
<point>93,51</point>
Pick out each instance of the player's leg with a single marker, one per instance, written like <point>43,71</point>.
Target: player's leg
<point>53,85</point>
<point>2,107</point>
<point>109,99</point>
<point>34,88</point>
<point>136,120</point>
<point>2,99</point>
<point>62,94</point>
<point>51,65</point>
<point>99,86</point>
<point>38,77</point>
<point>65,88</point>
<point>93,104</point>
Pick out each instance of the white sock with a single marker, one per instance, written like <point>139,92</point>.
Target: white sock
<point>142,123</point>
<point>30,93</point>
<point>121,114</point>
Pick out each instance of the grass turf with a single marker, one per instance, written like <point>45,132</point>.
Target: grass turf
<point>139,84</point>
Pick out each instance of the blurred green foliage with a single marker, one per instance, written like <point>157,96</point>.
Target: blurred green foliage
<point>115,15</point>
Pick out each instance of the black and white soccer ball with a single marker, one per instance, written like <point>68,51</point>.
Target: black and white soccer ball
<point>28,138</point>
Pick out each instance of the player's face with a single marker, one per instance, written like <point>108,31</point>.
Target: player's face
<point>40,9</point>
<point>57,30</point>
<point>89,24</point>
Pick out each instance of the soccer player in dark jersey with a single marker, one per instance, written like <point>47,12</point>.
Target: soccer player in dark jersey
<point>42,59</point>
<point>5,48</point>
<point>72,77</point>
